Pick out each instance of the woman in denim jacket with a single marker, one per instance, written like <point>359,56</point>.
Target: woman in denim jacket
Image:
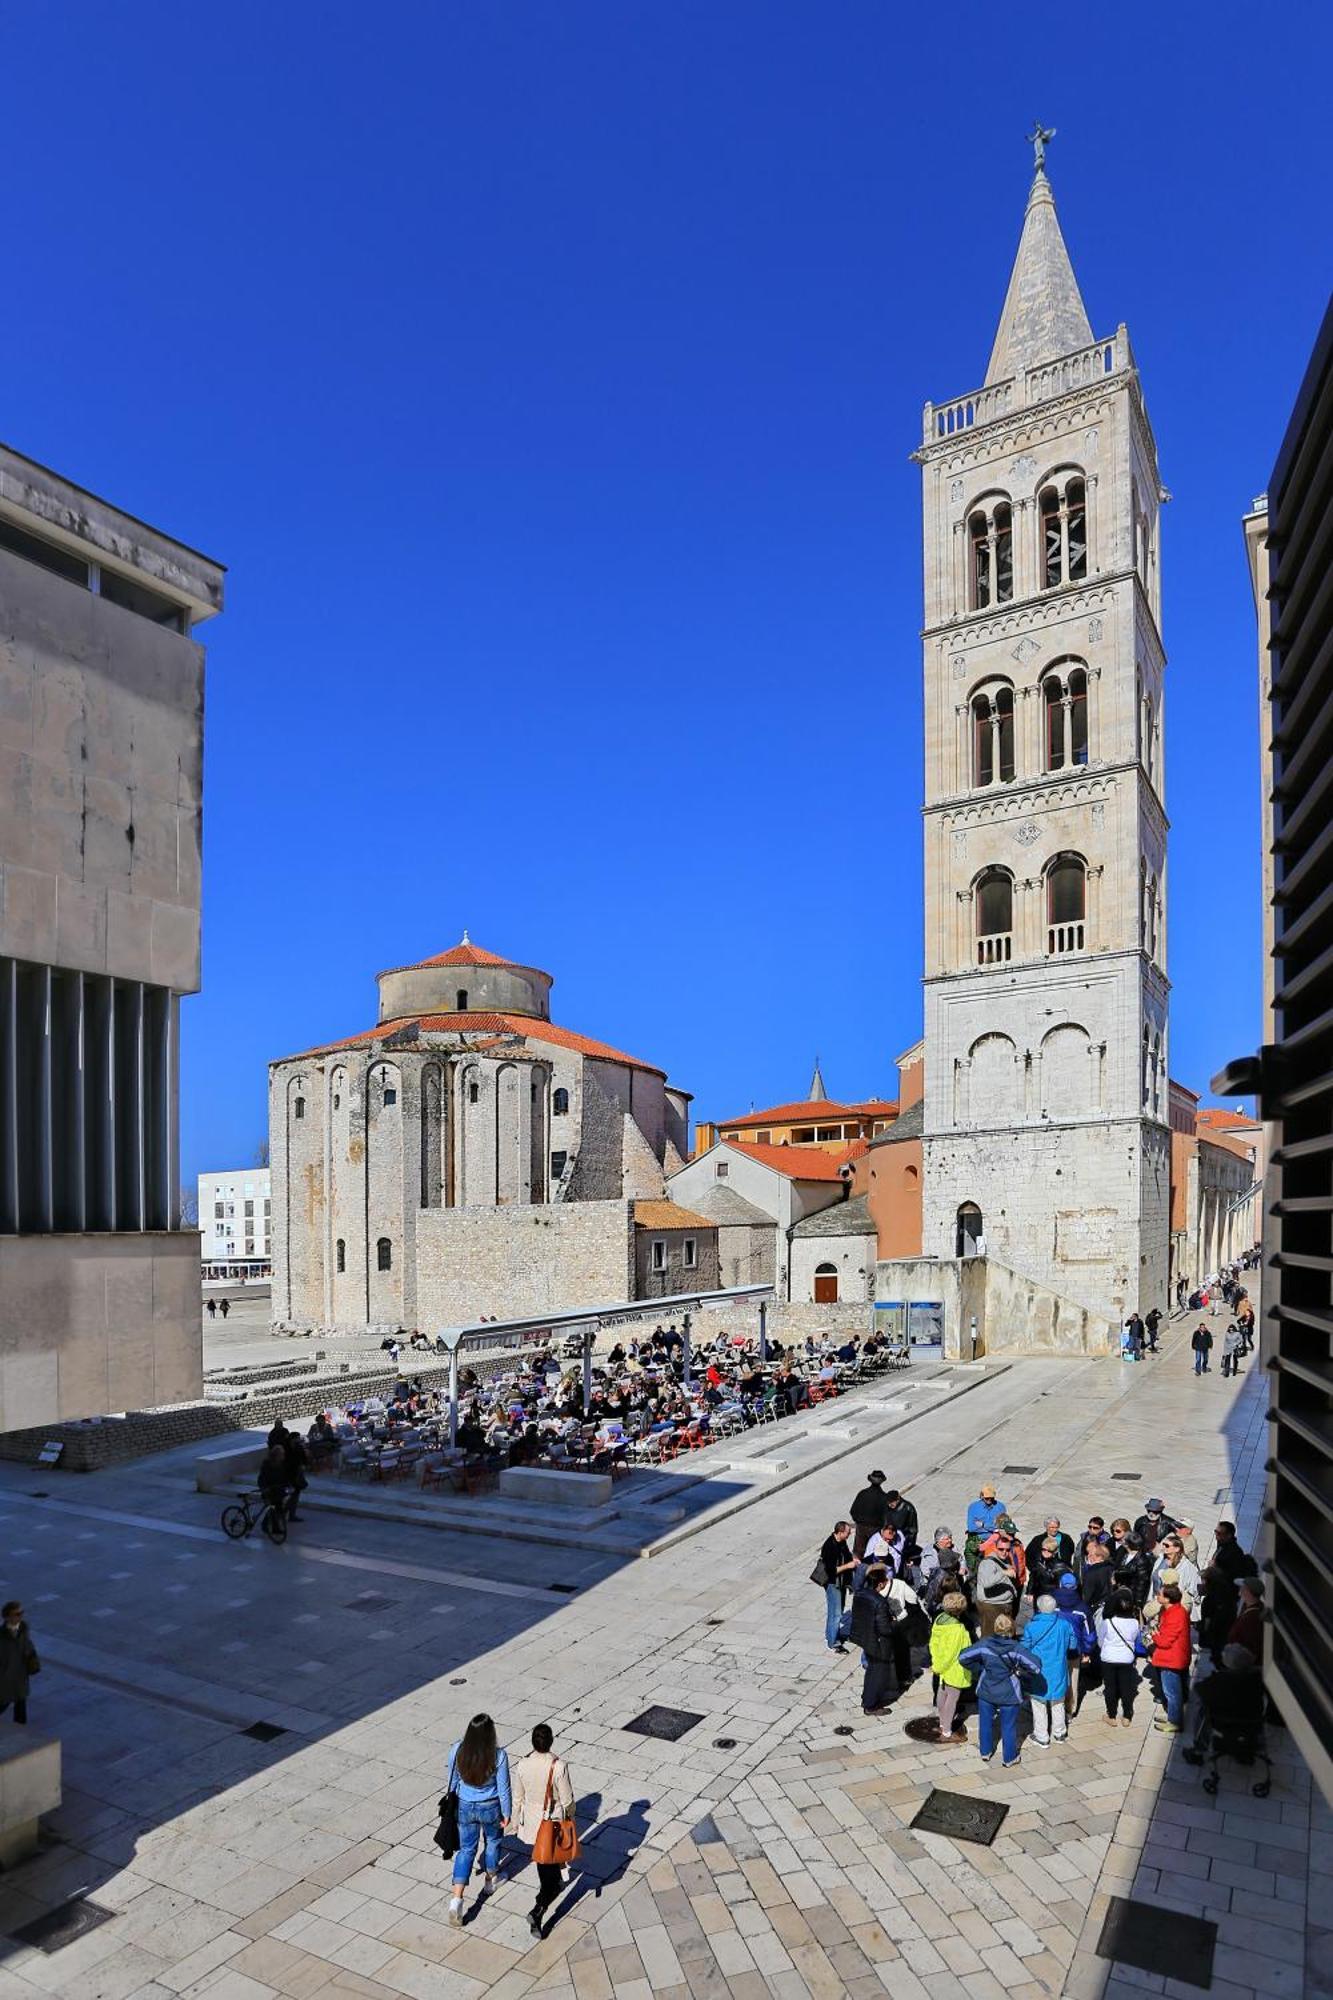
<point>479,1773</point>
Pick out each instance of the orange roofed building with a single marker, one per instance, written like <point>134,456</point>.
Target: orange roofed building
<point>817,1120</point>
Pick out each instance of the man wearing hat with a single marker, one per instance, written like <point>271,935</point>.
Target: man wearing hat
<point>869,1512</point>
<point>1153,1523</point>
<point>982,1519</point>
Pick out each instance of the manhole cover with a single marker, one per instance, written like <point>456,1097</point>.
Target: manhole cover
<point>669,1724</point>
<point>843,1729</point>
<point>459,1682</point>
<point>564,1589</point>
<point>62,1925</point>
<point>1004,1469</point>
<point>369,1601</point>
<point>960,1817</point>
<point>1141,1935</point>
<point>724,1743</point>
<point>1127,1475</point>
<point>264,1732</point>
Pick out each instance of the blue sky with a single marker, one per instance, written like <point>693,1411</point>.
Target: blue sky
<point>546,375</point>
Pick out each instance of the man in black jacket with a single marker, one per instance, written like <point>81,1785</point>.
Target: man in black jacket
<point>874,1615</point>
<point>901,1514</point>
<point>869,1511</point>
<point>1064,1545</point>
<point>1154,1524</point>
<point>1229,1556</point>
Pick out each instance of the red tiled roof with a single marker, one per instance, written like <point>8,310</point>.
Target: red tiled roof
<point>818,1111</point>
<point>1211,1114</point>
<point>801,1163</point>
<point>466,953</point>
<point>483,1024</point>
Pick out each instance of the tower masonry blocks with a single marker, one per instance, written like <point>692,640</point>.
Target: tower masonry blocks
<point>1045,1139</point>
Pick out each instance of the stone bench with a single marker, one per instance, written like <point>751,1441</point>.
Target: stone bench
<point>234,1468</point>
<point>29,1787</point>
<point>555,1489</point>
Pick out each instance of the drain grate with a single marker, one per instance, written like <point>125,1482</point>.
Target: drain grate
<point>563,1589</point>
<point>265,1732</point>
<point>1127,1475</point>
<point>1148,1938</point>
<point>63,1925</point>
<point>370,1600</point>
<point>961,1817</point>
<point>667,1724</point>
<point>724,1742</point>
<point>1006,1469</point>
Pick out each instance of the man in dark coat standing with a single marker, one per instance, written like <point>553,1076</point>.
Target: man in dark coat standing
<point>18,1661</point>
<point>869,1511</point>
<point>874,1615</point>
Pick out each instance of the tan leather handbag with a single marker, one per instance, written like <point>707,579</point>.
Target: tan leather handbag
<point>557,1839</point>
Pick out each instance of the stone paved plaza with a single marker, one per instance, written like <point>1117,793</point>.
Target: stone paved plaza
<point>767,1852</point>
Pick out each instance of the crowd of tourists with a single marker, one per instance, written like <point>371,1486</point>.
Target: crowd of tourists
<point>1021,1632</point>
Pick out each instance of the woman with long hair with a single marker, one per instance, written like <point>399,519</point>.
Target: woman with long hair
<point>543,1789</point>
<point>479,1774</point>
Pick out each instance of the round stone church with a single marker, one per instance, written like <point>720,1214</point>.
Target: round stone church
<point>461,1156</point>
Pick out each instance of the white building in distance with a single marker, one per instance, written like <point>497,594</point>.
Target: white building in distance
<point>235,1224</point>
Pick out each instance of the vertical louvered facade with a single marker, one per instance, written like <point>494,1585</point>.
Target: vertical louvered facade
<point>1293,1075</point>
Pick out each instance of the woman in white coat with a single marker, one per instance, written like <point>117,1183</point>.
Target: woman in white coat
<point>530,1779</point>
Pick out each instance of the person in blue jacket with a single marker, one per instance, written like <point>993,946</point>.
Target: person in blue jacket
<point>479,1772</point>
<point>982,1515</point>
<point>1070,1604</point>
<point>1049,1636</point>
<point>997,1663</point>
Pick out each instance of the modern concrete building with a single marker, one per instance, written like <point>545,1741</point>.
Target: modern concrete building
<point>463,1156</point>
<point>101,807</point>
<point>235,1225</point>
<point>1045,1137</point>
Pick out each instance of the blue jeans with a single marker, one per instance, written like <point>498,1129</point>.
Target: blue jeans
<point>1200,1360</point>
<point>1172,1681</point>
<point>478,1821</point>
<point>832,1613</point>
<point>987,1711</point>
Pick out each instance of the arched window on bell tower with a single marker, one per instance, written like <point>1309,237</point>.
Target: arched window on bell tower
<point>1062,511</point>
<point>990,554</point>
<point>992,711</point>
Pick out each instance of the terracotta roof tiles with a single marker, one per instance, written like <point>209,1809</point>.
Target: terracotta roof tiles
<point>523,1025</point>
<point>668,1215</point>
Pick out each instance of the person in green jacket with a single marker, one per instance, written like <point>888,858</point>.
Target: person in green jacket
<point>948,1636</point>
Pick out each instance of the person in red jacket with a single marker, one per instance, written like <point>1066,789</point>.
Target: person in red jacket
<point>1171,1657</point>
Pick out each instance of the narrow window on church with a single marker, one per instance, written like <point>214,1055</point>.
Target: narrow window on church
<point>1053,702</point>
<point>340,1256</point>
<point>1143,903</point>
<point>1078,717</point>
<point>384,1254</point>
<point>1147,733</point>
<point>1066,900</point>
<point>474,1093</point>
<point>1052,568</point>
<point>1076,508</point>
<point>560,1103</point>
<point>995,916</point>
<point>390,1094</point>
<point>1147,1063</point>
<point>983,742</point>
<point>1004,710</point>
<point>558,1165</point>
<point>978,534</point>
<point>460,1000</point>
<point>298,1108</point>
<point>1004,554</point>
<point>1152,916</point>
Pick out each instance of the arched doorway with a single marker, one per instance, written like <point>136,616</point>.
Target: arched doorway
<point>826,1284</point>
<point>969,1234</point>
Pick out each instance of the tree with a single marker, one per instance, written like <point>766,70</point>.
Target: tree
<point>189,1204</point>
<point>261,1153</point>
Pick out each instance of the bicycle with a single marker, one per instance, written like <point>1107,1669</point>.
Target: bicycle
<point>250,1510</point>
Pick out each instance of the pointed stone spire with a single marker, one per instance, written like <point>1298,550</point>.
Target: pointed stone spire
<point>1044,315</point>
<point>817,1093</point>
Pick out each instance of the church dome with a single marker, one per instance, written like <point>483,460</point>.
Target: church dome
<point>465,980</point>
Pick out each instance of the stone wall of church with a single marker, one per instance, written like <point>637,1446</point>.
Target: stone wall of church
<point>511,1263</point>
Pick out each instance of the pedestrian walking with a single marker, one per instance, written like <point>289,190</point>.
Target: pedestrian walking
<point>1201,1340</point>
<point>998,1661</point>
<point>212,1308</point>
<point>948,1638</point>
<point>1151,1327</point>
<point>1120,1643</point>
<point>869,1511</point>
<point>542,1791</point>
<point>479,1774</point>
<point>1050,1639</point>
<point>18,1660</point>
<point>224,1308</point>
<point>837,1564</point>
<point>1232,1344</point>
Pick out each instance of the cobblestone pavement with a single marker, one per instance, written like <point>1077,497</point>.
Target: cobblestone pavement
<point>766,1852</point>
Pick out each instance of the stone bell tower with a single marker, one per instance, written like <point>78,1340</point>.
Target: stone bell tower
<point>1045,1142</point>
